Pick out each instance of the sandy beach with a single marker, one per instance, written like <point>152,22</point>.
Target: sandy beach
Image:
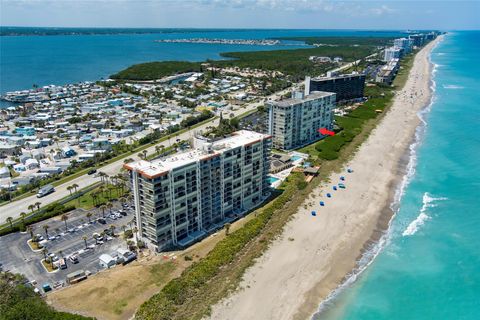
<point>315,254</point>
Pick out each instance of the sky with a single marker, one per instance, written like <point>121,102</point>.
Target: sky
<point>299,14</point>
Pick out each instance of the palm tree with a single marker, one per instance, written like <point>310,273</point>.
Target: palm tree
<point>110,206</point>
<point>60,253</point>
<point>89,216</point>
<point>75,186</point>
<point>37,204</point>
<point>45,251</point>
<point>145,154</point>
<point>45,227</point>
<point>112,229</point>
<point>85,240</point>
<point>140,155</point>
<point>227,228</point>
<point>69,188</point>
<point>23,215</point>
<point>94,198</point>
<point>31,207</point>
<point>10,221</point>
<point>30,230</point>
<point>64,218</point>
<point>103,208</point>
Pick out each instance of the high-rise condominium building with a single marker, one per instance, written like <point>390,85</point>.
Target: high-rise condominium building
<point>404,43</point>
<point>392,53</point>
<point>346,86</point>
<point>295,122</point>
<point>182,198</point>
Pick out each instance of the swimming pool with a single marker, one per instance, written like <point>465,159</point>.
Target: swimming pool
<point>295,158</point>
<point>272,179</point>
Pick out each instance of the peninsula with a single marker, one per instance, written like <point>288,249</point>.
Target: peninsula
<point>250,42</point>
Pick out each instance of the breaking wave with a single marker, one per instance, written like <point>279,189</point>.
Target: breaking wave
<point>422,217</point>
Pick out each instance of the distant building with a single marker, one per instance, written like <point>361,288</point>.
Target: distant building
<point>418,39</point>
<point>346,87</point>
<point>388,72</point>
<point>405,44</point>
<point>295,122</point>
<point>392,53</point>
<point>181,198</point>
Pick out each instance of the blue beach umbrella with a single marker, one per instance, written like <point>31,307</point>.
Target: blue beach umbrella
<point>322,203</point>
<point>314,213</point>
<point>335,188</point>
<point>349,170</point>
<point>342,178</point>
<point>329,195</point>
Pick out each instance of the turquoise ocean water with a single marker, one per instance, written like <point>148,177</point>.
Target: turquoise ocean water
<point>429,267</point>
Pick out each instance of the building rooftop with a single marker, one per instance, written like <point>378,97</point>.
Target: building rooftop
<point>340,76</point>
<point>203,150</point>
<point>292,101</point>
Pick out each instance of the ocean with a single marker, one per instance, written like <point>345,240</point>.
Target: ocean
<point>62,59</point>
<point>428,265</point>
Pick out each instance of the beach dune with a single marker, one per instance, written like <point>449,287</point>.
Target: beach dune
<point>314,255</point>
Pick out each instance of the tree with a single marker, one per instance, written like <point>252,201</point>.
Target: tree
<point>75,186</point>
<point>45,227</point>
<point>45,251</point>
<point>110,206</point>
<point>227,228</point>
<point>103,207</point>
<point>23,215</point>
<point>31,207</point>
<point>64,218</point>
<point>89,216</point>
<point>69,188</point>
<point>37,204</point>
<point>112,229</point>
<point>85,240</point>
<point>10,221</point>
<point>94,198</point>
<point>30,230</point>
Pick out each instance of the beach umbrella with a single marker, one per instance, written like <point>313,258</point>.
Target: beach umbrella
<point>314,213</point>
<point>335,188</point>
<point>329,195</point>
<point>349,170</point>
<point>322,203</point>
<point>342,178</point>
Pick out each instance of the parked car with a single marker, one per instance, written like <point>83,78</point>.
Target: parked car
<point>102,221</point>
<point>74,258</point>
<point>93,171</point>
<point>62,264</point>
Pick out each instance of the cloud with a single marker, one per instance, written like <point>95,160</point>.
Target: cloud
<point>382,10</point>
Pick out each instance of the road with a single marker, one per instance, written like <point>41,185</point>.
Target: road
<point>351,64</point>
<point>14,208</point>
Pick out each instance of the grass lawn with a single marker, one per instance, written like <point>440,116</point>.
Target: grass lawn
<point>86,201</point>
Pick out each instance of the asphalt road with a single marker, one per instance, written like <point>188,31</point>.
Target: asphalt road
<point>14,208</point>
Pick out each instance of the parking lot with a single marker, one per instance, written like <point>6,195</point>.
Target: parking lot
<point>65,241</point>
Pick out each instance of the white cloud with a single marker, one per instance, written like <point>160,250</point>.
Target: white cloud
<point>384,9</point>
